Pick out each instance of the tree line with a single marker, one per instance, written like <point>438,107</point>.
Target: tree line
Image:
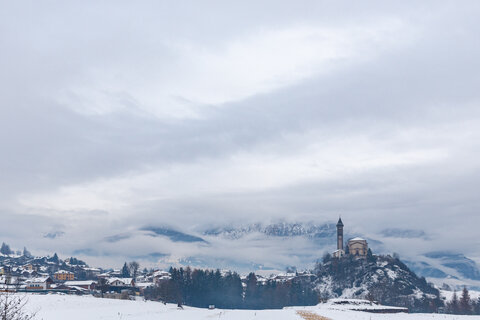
<point>463,305</point>
<point>5,249</point>
<point>201,288</point>
<point>130,270</point>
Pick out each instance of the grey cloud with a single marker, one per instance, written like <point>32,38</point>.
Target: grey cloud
<point>404,233</point>
<point>54,234</point>
<point>422,95</point>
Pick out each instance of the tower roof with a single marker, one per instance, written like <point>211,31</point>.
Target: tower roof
<point>357,239</point>
<point>339,223</point>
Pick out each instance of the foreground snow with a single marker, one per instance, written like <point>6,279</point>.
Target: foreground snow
<point>60,307</point>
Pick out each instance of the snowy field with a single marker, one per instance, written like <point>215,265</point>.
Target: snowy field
<point>61,307</point>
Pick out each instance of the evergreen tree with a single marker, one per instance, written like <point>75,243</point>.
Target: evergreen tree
<point>201,288</point>
<point>54,258</point>
<point>476,307</point>
<point>370,297</point>
<point>327,257</point>
<point>187,285</point>
<point>251,292</point>
<point>453,306</point>
<point>5,249</point>
<point>232,291</point>
<point>465,304</point>
<point>370,256</point>
<point>125,272</point>
<point>26,253</point>
<point>291,269</point>
<point>76,262</point>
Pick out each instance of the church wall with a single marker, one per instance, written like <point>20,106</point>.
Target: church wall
<point>360,247</point>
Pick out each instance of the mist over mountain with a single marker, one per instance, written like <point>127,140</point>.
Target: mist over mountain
<point>273,247</point>
<point>233,134</point>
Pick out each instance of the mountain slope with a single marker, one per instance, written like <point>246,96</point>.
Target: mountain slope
<point>381,278</point>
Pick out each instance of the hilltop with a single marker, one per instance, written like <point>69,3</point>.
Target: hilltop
<point>380,278</point>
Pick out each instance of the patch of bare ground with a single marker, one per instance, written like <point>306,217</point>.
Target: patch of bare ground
<point>311,316</point>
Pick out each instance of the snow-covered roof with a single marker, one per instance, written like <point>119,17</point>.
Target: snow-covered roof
<point>144,284</point>
<point>285,275</point>
<point>305,274</point>
<point>360,305</point>
<point>123,280</point>
<point>161,273</point>
<point>9,279</point>
<point>11,286</point>
<point>38,280</point>
<point>63,272</point>
<point>91,269</point>
<point>29,272</point>
<point>357,239</point>
<point>78,288</point>
<point>79,283</point>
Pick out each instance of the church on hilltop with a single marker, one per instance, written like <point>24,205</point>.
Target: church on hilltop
<point>356,247</point>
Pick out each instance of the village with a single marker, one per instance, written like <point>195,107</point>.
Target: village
<point>20,273</point>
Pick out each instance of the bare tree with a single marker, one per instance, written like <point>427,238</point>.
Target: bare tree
<point>13,306</point>
<point>133,268</point>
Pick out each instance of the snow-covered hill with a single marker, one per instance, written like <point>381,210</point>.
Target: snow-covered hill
<point>381,278</point>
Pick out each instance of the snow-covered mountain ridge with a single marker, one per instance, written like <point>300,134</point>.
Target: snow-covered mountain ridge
<point>281,229</point>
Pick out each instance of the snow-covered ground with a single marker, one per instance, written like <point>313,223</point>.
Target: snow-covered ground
<point>61,307</point>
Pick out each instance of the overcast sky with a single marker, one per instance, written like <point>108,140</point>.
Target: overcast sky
<point>117,114</point>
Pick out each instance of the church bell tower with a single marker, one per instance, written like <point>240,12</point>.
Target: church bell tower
<point>339,234</point>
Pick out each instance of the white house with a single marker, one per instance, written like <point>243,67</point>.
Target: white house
<point>42,283</point>
<point>86,284</point>
<point>121,282</point>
